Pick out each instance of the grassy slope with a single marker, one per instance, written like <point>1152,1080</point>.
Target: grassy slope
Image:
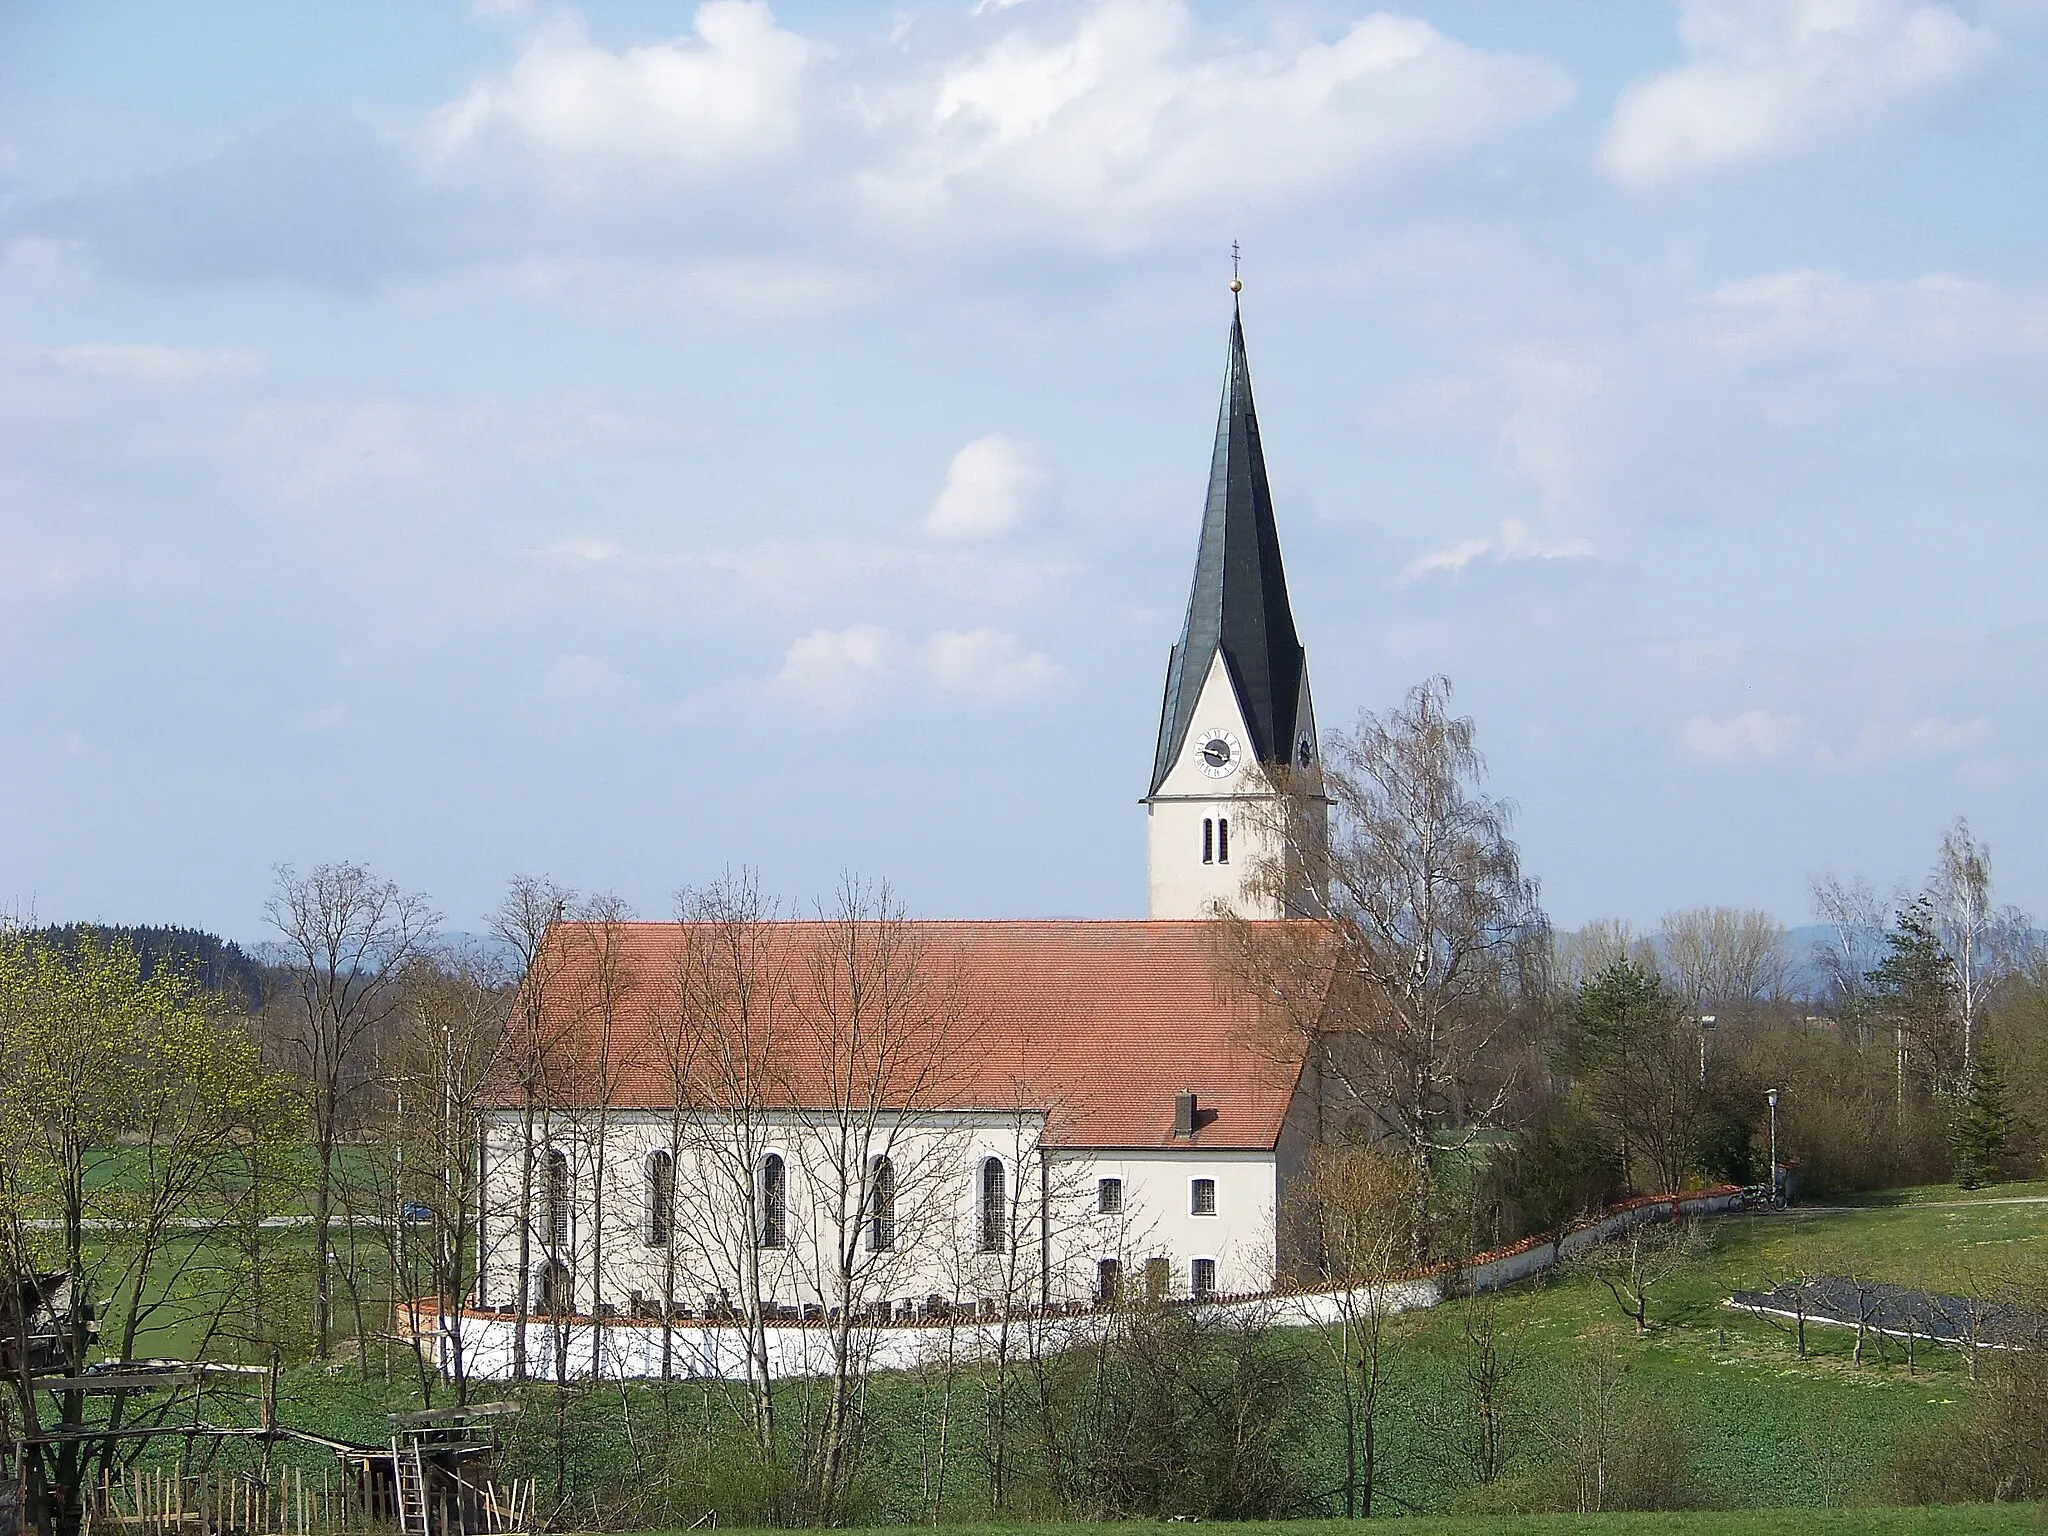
<point>1771,1430</point>
<point>1955,1520</point>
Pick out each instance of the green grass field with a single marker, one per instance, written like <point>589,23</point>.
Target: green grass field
<point>1767,1430</point>
<point>1954,1520</point>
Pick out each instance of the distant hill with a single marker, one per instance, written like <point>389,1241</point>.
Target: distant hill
<point>218,964</point>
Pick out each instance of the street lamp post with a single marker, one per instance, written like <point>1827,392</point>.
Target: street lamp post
<point>1771,1095</point>
<point>1706,1023</point>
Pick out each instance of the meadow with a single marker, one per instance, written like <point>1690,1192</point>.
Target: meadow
<point>1762,1428</point>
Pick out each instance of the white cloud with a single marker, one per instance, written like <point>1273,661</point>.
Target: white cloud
<point>1886,736</point>
<point>1545,431</point>
<point>993,486</point>
<point>837,671</point>
<point>1933,316</point>
<point>1753,735</point>
<point>833,670</point>
<point>1117,125</point>
<point>1770,75</point>
<point>1515,541</point>
<point>142,363</point>
<point>732,97</point>
<point>987,664</point>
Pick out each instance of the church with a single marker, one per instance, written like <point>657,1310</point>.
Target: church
<point>1030,1114</point>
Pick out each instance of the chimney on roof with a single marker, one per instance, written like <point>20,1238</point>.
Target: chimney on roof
<point>1184,1112</point>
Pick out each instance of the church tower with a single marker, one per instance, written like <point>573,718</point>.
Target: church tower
<point>1237,700</point>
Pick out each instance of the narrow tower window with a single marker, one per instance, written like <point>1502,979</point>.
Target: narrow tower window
<point>774,1202</point>
<point>1223,840</point>
<point>992,1213</point>
<point>1208,840</point>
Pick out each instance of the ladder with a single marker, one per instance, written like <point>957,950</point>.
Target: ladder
<point>411,1474</point>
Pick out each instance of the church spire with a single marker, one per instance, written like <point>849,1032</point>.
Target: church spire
<point>1238,606</point>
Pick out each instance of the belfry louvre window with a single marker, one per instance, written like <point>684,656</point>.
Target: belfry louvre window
<point>1208,840</point>
<point>556,1234</point>
<point>1202,1197</point>
<point>1202,1278</point>
<point>1223,840</point>
<point>993,1216</point>
<point>661,1198</point>
<point>1109,1196</point>
<point>774,1201</point>
<point>882,1207</point>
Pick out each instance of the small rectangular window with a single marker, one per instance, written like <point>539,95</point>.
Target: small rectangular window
<point>1208,840</point>
<point>1202,1197</point>
<point>1202,1278</point>
<point>1223,840</point>
<point>1109,1196</point>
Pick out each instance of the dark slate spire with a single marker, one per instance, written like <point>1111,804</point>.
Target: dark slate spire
<point>1239,601</point>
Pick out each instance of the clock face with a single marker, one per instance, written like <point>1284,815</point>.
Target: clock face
<point>1219,754</point>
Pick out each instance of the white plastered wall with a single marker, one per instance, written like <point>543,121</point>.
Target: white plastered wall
<point>1158,1219</point>
<point>1058,1236</point>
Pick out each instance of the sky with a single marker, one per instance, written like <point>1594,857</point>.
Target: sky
<point>631,441</point>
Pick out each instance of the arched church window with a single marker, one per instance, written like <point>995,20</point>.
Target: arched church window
<point>1223,840</point>
<point>993,1215</point>
<point>1208,840</point>
<point>774,1201</point>
<point>556,1231</point>
<point>661,1198</point>
<point>882,1207</point>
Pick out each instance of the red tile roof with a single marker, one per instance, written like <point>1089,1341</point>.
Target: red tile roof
<point>1100,1024</point>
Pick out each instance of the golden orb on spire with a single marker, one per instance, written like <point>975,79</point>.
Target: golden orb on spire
<point>1236,286</point>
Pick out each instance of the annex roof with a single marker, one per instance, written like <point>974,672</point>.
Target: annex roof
<point>1238,604</point>
<point>1099,1024</point>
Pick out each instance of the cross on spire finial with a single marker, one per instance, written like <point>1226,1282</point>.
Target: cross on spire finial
<point>1236,286</point>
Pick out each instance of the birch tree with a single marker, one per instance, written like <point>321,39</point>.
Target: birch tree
<point>1423,936</point>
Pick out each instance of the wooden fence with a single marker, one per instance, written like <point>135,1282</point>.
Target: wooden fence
<point>158,1501</point>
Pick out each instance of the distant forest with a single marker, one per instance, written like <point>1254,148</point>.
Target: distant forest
<point>218,964</point>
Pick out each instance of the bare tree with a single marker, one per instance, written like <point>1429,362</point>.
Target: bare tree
<point>1854,920</point>
<point>535,1032</point>
<point>607,992</point>
<point>1424,935</point>
<point>451,1029</point>
<point>1585,952</point>
<point>1353,1224</point>
<point>729,1016</point>
<point>1724,957</point>
<point>1633,1264</point>
<point>881,1019</point>
<point>347,937</point>
<point>1481,1430</point>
